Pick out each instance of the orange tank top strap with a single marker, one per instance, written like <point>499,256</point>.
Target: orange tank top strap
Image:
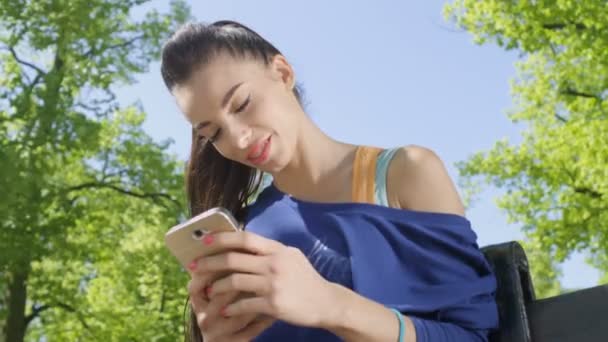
<point>364,174</point>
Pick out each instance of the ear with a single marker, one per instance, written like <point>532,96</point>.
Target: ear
<point>282,71</point>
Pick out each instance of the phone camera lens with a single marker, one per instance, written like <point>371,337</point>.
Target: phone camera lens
<point>198,234</point>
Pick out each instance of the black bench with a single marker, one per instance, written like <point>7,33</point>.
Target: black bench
<point>580,316</point>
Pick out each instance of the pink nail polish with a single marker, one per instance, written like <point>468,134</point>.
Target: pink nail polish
<point>208,239</point>
<point>192,266</point>
<point>208,290</point>
<point>223,313</point>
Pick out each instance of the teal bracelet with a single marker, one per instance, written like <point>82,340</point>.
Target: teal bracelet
<point>401,325</point>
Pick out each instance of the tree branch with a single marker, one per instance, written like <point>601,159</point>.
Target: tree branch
<point>587,191</point>
<point>99,106</point>
<point>92,50</point>
<point>95,109</point>
<point>22,62</point>
<point>106,163</point>
<point>36,310</point>
<point>561,118</point>
<point>34,82</point>
<point>155,196</point>
<point>87,107</point>
<point>572,92</point>
<point>561,26</point>
<point>580,189</point>
<point>58,62</point>
<point>111,98</point>
<point>162,300</point>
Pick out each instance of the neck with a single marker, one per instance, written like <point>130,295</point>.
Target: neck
<point>320,167</point>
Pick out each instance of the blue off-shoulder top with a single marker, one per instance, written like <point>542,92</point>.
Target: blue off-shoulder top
<point>426,265</point>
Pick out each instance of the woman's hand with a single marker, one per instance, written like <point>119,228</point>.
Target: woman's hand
<point>282,282</point>
<point>213,326</point>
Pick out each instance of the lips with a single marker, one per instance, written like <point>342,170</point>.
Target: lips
<point>259,151</point>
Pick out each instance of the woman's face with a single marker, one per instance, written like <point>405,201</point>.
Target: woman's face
<point>245,109</point>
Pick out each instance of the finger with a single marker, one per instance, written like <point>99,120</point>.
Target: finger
<point>232,262</point>
<point>254,329</point>
<point>244,306</point>
<point>218,303</point>
<point>207,317</point>
<point>200,280</point>
<point>245,241</point>
<point>196,293</point>
<point>243,282</point>
<point>226,327</point>
<point>199,284</point>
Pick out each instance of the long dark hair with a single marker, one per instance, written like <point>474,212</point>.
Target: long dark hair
<point>211,179</point>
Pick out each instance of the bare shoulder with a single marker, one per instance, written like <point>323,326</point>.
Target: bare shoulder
<point>418,180</point>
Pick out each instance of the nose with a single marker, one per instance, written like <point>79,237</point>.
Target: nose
<point>239,135</point>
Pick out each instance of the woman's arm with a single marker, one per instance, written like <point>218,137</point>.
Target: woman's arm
<point>355,318</point>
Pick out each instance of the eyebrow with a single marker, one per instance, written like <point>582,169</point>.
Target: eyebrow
<point>224,103</point>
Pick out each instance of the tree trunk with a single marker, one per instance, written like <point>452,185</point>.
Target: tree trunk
<point>14,330</point>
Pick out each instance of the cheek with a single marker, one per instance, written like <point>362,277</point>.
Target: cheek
<point>276,116</point>
<point>223,152</point>
<point>267,114</point>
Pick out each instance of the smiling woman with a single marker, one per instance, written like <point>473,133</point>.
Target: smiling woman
<point>349,242</point>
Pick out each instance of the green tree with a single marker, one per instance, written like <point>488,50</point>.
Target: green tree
<point>86,193</point>
<point>556,179</point>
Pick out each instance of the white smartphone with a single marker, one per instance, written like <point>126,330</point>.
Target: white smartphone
<point>185,239</point>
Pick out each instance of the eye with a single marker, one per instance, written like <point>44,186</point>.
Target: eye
<point>244,105</point>
<point>214,137</point>
<point>210,139</point>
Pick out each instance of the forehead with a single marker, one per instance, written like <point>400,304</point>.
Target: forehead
<point>204,91</point>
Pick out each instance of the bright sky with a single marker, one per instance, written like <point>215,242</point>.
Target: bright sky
<point>383,73</point>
